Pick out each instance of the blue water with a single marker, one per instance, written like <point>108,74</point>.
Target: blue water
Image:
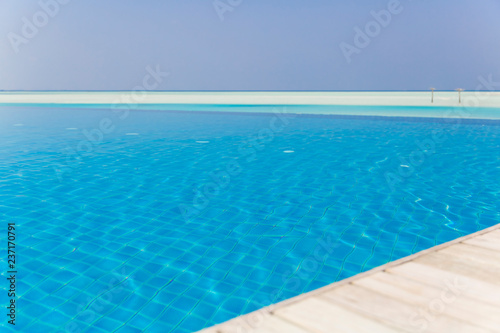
<point>171,222</point>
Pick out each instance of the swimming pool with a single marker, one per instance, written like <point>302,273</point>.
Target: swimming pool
<point>161,221</point>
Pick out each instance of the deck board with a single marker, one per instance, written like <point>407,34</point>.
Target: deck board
<point>439,278</point>
<point>454,287</point>
<point>268,324</point>
<point>489,241</point>
<point>466,267</point>
<point>418,295</point>
<point>366,302</point>
<point>319,315</point>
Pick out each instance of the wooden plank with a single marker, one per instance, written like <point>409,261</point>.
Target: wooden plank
<point>474,253</point>
<point>463,266</point>
<point>372,305</point>
<point>266,324</point>
<point>404,316</point>
<point>211,330</point>
<point>320,316</point>
<point>277,325</point>
<point>490,241</point>
<point>394,285</point>
<point>438,278</point>
<point>426,298</point>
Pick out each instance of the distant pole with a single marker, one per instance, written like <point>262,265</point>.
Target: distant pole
<point>459,95</point>
<point>432,95</point>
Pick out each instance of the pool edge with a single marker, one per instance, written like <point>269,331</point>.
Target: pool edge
<point>269,310</point>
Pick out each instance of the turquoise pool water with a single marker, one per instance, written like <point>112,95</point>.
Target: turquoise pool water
<point>156,221</point>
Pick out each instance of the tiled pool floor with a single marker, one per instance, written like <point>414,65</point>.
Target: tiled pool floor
<point>137,229</point>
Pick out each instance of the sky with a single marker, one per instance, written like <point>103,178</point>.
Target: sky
<point>250,44</point>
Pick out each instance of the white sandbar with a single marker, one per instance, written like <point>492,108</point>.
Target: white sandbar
<point>478,105</point>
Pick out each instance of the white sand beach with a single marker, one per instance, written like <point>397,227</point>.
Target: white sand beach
<point>441,98</point>
<point>482,105</point>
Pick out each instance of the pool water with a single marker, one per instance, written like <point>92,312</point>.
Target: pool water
<point>157,221</point>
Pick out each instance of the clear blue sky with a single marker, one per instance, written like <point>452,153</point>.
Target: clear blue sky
<point>259,44</point>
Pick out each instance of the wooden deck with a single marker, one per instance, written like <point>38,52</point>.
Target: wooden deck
<point>453,287</point>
